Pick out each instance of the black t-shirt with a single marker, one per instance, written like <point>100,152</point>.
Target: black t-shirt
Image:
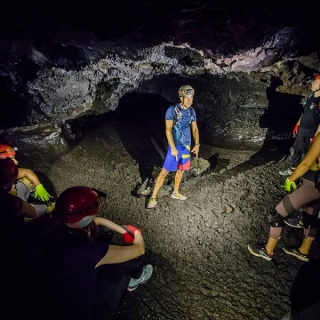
<point>68,275</point>
<point>310,118</point>
<point>12,223</point>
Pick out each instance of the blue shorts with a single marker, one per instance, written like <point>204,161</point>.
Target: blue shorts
<point>182,162</point>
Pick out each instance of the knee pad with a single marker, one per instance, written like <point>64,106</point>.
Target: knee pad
<point>309,221</point>
<point>276,220</point>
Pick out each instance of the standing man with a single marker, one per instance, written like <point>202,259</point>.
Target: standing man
<point>306,128</point>
<point>179,119</point>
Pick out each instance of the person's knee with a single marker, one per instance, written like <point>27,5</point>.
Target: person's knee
<point>179,172</point>
<point>276,220</point>
<point>163,173</point>
<point>310,225</point>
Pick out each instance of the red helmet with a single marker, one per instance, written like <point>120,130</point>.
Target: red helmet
<point>8,174</point>
<point>7,151</point>
<point>78,205</point>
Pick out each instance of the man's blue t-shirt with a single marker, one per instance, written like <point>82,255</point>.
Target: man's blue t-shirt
<point>181,131</point>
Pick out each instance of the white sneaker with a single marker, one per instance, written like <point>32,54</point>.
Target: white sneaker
<point>178,196</point>
<point>146,275</point>
<point>286,172</point>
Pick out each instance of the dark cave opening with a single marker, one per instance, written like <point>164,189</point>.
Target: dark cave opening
<point>282,113</point>
<point>139,119</point>
<point>140,124</point>
<point>12,106</point>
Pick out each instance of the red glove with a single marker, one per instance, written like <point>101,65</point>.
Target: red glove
<point>128,236</point>
<point>295,130</point>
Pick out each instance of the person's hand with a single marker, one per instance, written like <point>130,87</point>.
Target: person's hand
<point>195,150</point>
<point>295,130</point>
<point>289,186</point>
<point>14,191</point>
<point>312,139</point>
<point>128,236</point>
<point>41,193</point>
<point>174,152</point>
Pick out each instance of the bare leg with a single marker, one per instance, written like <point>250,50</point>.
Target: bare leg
<point>271,244</point>
<point>305,246</point>
<point>159,182</point>
<point>177,180</point>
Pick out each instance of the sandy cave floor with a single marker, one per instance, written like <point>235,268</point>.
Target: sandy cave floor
<point>202,268</point>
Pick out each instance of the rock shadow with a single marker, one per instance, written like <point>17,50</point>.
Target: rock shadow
<point>280,116</point>
<point>140,124</point>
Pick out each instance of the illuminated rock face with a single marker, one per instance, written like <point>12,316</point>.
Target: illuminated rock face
<point>83,95</point>
<point>58,66</point>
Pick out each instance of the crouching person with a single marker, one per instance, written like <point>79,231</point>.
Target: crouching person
<point>83,275</point>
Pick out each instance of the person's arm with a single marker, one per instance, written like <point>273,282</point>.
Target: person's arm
<point>28,210</point>
<point>118,254</point>
<point>298,123</point>
<point>109,224</point>
<point>195,134</point>
<point>318,130</point>
<point>169,127</point>
<point>296,127</point>
<point>309,161</point>
<point>30,175</point>
<point>40,191</point>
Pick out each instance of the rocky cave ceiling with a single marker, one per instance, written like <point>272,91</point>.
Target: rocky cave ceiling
<point>247,60</point>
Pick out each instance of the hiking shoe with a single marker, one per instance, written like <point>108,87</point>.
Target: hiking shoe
<point>146,275</point>
<point>178,196</point>
<point>296,253</point>
<point>152,203</point>
<point>294,222</point>
<point>286,172</point>
<point>258,249</point>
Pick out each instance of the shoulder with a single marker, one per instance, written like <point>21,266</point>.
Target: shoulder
<point>170,114</point>
<point>193,114</point>
<point>172,108</point>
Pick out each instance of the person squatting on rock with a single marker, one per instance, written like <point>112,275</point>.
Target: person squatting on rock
<point>306,128</point>
<point>306,196</point>
<point>178,120</point>
<point>81,272</point>
<point>27,182</point>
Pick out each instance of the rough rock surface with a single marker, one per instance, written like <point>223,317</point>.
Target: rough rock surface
<point>202,268</point>
<point>57,65</point>
<point>250,63</point>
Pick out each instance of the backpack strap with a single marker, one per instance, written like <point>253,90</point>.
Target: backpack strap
<point>192,114</point>
<point>178,112</point>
